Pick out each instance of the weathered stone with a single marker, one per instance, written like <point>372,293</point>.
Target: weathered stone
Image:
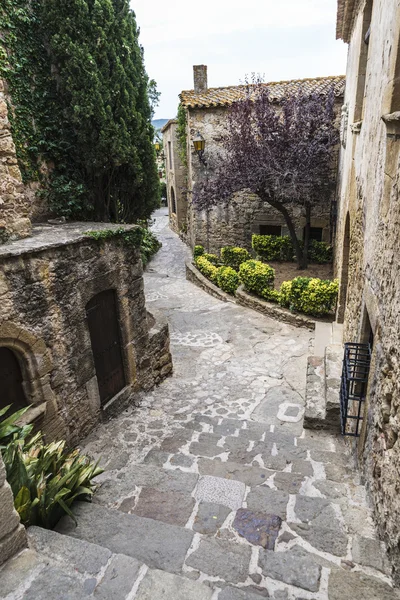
<point>207,445</point>
<point>180,437</point>
<point>251,476</point>
<point>210,517</point>
<point>156,457</point>
<point>307,509</point>
<point>227,427</point>
<point>220,491</point>
<point>119,578</point>
<point>330,539</point>
<point>231,593</point>
<point>295,567</point>
<point>288,482</point>
<point>370,553</point>
<point>7,507</point>
<point>157,544</point>
<point>170,507</point>
<point>54,583</point>
<point>164,586</point>
<point>358,586</point>
<point>221,559</point>
<point>258,528</point>
<point>181,460</point>
<point>265,500</point>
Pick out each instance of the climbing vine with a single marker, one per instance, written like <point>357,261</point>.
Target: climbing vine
<point>80,112</point>
<point>181,132</point>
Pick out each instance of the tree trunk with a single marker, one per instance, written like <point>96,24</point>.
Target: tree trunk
<point>307,235</point>
<point>288,219</point>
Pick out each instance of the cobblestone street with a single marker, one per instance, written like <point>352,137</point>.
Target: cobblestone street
<point>212,488</point>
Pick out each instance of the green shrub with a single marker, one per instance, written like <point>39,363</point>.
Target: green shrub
<point>198,251</point>
<point>233,256</point>
<point>228,279</point>
<point>257,277</point>
<point>212,258</point>
<point>207,269</point>
<point>148,246</point>
<point>320,252</point>
<point>271,295</point>
<point>310,296</point>
<point>44,478</point>
<point>273,247</point>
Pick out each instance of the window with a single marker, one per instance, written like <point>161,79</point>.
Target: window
<point>173,201</point>
<point>270,230</point>
<point>363,62</point>
<point>170,156</point>
<point>315,233</point>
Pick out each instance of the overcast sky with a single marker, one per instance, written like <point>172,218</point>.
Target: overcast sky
<point>281,39</point>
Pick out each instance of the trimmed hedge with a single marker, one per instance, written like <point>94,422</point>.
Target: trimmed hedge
<point>280,248</point>
<point>212,258</point>
<point>228,279</point>
<point>310,296</point>
<point>257,277</point>
<point>233,256</point>
<point>198,251</point>
<point>206,268</point>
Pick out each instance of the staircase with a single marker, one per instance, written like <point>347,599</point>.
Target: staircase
<point>324,369</point>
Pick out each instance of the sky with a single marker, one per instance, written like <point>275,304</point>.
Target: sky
<point>279,39</point>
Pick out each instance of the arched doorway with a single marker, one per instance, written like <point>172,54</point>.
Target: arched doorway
<point>344,278</point>
<point>11,388</point>
<point>173,201</point>
<point>102,318</point>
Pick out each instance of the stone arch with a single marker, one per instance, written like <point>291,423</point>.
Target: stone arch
<point>344,275</point>
<point>173,200</point>
<point>34,360</point>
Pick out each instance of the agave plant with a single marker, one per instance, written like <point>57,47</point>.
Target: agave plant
<point>45,478</point>
<point>9,427</point>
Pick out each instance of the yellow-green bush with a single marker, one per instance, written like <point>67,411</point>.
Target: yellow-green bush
<point>198,251</point>
<point>233,256</point>
<point>227,279</point>
<point>206,268</point>
<point>257,277</point>
<point>212,258</point>
<point>273,247</point>
<point>311,296</point>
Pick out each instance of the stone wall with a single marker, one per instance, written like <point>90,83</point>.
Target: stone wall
<point>369,201</point>
<point>15,202</point>
<point>175,178</point>
<point>234,225</point>
<point>12,533</point>
<point>46,282</point>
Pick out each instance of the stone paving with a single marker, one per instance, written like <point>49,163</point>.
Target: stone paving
<point>212,487</point>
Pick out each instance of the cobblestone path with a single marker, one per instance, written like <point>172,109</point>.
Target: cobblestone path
<point>212,487</point>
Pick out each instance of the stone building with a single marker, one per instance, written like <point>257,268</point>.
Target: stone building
<point>206,110</point>
<point>76,341</point>
<point>176,178</point>
<point>368,239</point>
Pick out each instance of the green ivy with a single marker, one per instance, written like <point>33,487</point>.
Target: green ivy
<point>139,237</point>
<point>181,132</point>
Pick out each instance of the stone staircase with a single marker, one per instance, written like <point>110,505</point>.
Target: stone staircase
<point>324,367</point>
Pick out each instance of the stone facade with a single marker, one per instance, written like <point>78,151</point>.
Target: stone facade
<point>175,174</point>
<point>12,533</point>
<point>15,203</point>
<point>46,283</point>
<point>368,240</point>
<point>247,214</point>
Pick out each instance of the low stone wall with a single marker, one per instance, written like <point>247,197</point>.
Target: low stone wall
<point>194,275</point>
<point>12,533</point>
<point>46,282</point>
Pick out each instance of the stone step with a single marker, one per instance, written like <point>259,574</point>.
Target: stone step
<point>322,337</point>
<point>314,415</point>
<point>58,566</point>
<point>333,372</point>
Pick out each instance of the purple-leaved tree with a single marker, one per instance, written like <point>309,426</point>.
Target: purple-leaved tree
<point>285,154</point>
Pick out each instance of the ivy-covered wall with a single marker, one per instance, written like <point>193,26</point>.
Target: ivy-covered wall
<point>80,114</point>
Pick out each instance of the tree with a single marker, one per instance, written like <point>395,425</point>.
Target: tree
<point>284,154</point>
<point>154,96</point>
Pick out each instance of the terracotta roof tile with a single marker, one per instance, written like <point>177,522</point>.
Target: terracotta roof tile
<point>345,17</point>
<point>225,96</point>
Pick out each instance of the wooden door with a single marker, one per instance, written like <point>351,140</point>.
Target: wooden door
<point>11,390</point>
<point>105,337</point>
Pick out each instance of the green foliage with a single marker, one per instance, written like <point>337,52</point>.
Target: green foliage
<point>310,296</point>
<point>81,117</point>
<point>257,277</point>
<point>181,132</point>
<point>44,478</point>
<point>212,258</point>
<point>228,279</point>
<point>320,252</point>
<point>198,251</point>
<point>233,256</point>
<point>139,237</point>
<point>9,427</point>
<point>207,269</point>
<point>273,247</point>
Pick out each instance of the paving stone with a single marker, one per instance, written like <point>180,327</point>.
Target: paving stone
<point>53,583</point>
<point>328,539</point>
<point>304,467</point>
<point>173,443</point>
<point>338,472</point>
<point>170,507</point>
<point>332,490</point>
<point>358,586</point>
<point>227,427</point>
<point>276,463</point>
<point>370,553</point>
<point>20,568</point>
<point>210,517</point>
<point>260,529</point>
<point>251,476</point>
<point>288,482</point>
<point>220,491</point>
<point>156,457</point>
<point>222,559</point>
<point>83,556</point>
<point>265,500</point>
<point>295,567</point>
<point>119,578</point>
<point>158,585</point>
<point>157,544</point>
<point>335,458</point>
<point>207,445</point>
<point>231,593</point>
<point>128,504</point>
<point>181,460</point>
<point>307,509</point>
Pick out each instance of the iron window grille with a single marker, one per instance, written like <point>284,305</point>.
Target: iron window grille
<point>353,388</point>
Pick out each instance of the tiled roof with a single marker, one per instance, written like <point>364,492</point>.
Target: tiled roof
<point>345,16</point>
<point>167,124</point>
<point>225,96</point>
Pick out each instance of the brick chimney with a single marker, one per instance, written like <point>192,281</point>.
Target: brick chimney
<point>200,78</point>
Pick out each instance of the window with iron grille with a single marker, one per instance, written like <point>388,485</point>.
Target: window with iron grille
<point>353,387</point>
